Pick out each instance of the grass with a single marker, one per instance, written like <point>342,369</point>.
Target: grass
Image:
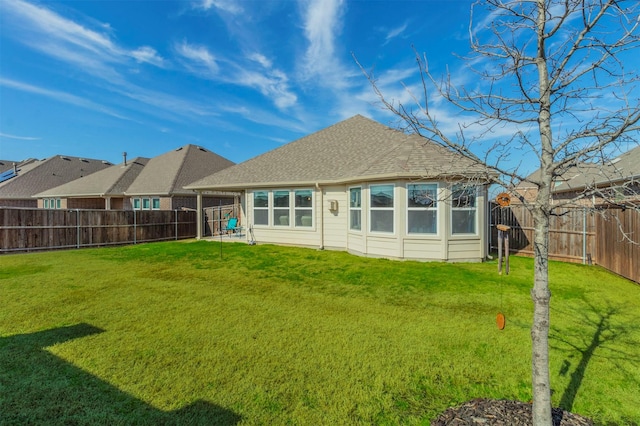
<point>170,333</point>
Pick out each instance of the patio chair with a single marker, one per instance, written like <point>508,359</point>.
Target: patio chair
<point>232,226</point>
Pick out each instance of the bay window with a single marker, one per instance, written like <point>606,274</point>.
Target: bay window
<point>422,208</point>
<point>355,209</point>
<point>381,208</point>
<point>463,209</point>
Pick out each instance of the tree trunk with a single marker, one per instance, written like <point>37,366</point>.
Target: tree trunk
<point>540,328</point>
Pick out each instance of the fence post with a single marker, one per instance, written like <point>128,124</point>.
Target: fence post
<point>77,228</point>
<point>176,216</point>
<point>135,231</point>
<point>584,235</point>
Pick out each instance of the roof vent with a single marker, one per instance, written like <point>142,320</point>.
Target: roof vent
<point>179,149</point>
<point>65,158</point>
<point>202,149</point>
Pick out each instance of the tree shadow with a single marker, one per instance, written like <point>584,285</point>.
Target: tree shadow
<point>605,328</point>
<point>38,388</point>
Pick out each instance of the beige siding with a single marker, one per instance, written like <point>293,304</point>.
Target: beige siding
<point>335,222</point>
<point>422,249</point>
<point>464,250</point>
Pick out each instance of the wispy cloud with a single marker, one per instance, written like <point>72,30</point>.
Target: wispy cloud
<point>198,59</point>
<point>395,32</point>
<point>230,6</point>
<point>20,138</point>
<point>59,96</point>
<point>149,55</point>
<point>322,22</point>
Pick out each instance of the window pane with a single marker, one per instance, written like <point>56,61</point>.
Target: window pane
<point>280,198</point>
<point>281,217</point>
<point>382,220</point>
<point>382,196</point>
<point>156,203</point>
<point>261,217</point>
<point>304,217</point>
<point>354,198</point>
<point>355,220</point>
<point>261,199</point>
<point>58,205</point>
<point>463,221</point>
<point>304,198</point>
<point>145,203</point>
<point>46,203</point>
<point>422,221</point>
<point>136,203</point>
<point>464,197</point>
<point>422,195</point>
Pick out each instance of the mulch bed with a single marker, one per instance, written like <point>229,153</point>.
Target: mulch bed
<point>502,413</point>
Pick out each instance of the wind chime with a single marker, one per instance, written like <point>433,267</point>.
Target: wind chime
<point>504,200</point>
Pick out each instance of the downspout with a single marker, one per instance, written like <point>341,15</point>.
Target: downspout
<point>321,216</point>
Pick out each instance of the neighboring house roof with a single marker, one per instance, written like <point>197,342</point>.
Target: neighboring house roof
<point>169,173</point>
<point>112,181</point>
<point>352,150</point>
<point>7,165</point>
<point>35,176</point>
<point>623,168</point>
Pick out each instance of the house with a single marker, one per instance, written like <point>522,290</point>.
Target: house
<point>365,188</point>
<point>592,184</point>
<point>104,190</point>
<point>143,183</point>
<point>32,176</point>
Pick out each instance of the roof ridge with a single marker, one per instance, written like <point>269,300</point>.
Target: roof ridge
<point>188,147</point>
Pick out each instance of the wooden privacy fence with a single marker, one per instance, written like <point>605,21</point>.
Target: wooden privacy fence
<point>24,230</point>
<point>609,237</point>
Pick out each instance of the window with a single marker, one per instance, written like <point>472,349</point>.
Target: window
<point>155,203</point>
<point>145,203</point>
<point>381,208</point>
<point>463,210</point>
<point>261,208</point>
<point>281,208</point>
<point>58,203</point>
<point>303,207</point>
<point>136,203</point>
<point>45,203</point>
<point>355,209</point>
<point>422,208</point>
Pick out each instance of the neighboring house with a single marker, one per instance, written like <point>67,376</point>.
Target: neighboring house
<point>31,177</point>
<point>593,184</point>
<point>5,166</point>
<point>143,183</point>
<point>365,188</point>
<point>104,189</point>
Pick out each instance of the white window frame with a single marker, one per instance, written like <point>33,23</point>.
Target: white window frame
<point>136,203</point>
<point>297,209</point>
<point>454,208</point>
<point>277,220</point>
<point>355,209</point>
<point>146,203</point>
<point>45,203</point>
<point>391,209</point>
<point>261,208</point>
<point>432,208</point>
<point>153,202</point>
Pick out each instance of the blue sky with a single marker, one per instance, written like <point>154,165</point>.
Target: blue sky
<point>96,78</point>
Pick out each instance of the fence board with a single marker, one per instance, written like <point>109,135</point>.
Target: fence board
<point>619,242</point>
<point>23,229</point>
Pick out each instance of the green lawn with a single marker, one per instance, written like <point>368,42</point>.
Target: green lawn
<point>170,333</point>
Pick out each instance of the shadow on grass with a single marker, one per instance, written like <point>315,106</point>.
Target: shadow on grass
<point>599,332</point>
<point>37,387</point>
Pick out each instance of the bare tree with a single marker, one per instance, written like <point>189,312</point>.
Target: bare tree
<point>552,73</point>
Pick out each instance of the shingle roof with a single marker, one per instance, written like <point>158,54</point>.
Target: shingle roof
<point>35,176</point>
<point>354,149</point>
<point>169,173</point>
<point>114,180</point>
<point>623,168</point>
<point>6,165</point>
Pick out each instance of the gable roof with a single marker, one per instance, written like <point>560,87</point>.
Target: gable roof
<point>7,165</point>
<point>169,173</point>
<point>35,176</point>
<point>355,149</point>
<point>111,181</point>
